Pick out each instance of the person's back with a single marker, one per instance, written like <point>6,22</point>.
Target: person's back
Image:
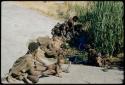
<point>20,67</point>
<point>27,63</point>
<point>21,64</point>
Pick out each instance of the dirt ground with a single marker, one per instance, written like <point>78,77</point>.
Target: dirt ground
<point>20,26</point>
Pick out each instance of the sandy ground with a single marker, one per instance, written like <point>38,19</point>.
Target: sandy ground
<point>20,25</point>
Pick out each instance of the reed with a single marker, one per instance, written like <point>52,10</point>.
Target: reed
<point>106,25</point>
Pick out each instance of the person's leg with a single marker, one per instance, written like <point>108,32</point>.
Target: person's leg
<point>33,78</point>
<point>24,78</point>
<point>58,71</point>
<point>34,75</point>
<point>35,72</point>
<point>50,70</point>
<point>10,79</point>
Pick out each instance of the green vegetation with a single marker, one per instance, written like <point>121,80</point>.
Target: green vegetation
<point>106,25</point>
<point>103,21</point>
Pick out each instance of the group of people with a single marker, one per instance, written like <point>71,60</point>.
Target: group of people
<point>97,58</point>
<point>35,64</point>
<point>72,32</point>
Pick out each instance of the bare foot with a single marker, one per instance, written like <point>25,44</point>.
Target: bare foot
<point>58,75</point>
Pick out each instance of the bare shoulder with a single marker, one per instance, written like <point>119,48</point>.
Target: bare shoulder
<point>21,60</point>
<point>27,57</point>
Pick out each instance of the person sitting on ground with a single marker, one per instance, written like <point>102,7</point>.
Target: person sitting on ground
<point>54,47</point>
<point>30,66</point>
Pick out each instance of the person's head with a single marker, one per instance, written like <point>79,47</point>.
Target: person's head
<point>33,46</point>
<point>75,18</point>
<point>92,51</point>
<point>54,38</point>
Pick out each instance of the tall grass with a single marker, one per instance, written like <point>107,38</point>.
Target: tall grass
<point>106,20</point>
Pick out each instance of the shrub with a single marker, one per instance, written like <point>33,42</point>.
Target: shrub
<point>106,20</point>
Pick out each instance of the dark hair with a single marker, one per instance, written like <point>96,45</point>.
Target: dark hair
<point>104,53</point>
<point>33,46</point>
<point>75,18</point>
<point>78,26</point>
